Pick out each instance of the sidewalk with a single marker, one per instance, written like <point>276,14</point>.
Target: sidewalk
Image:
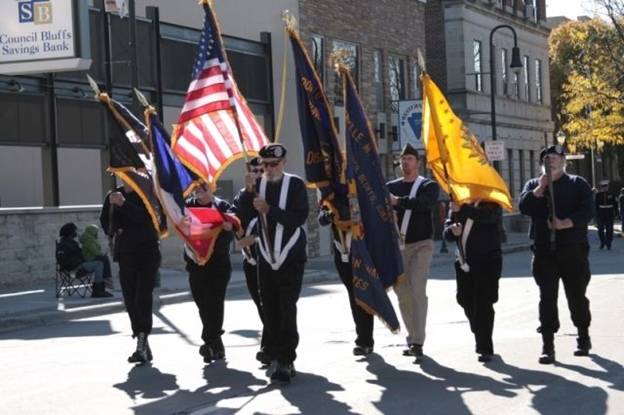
<point>32,306</point>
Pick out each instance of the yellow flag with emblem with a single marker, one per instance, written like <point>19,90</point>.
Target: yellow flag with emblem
<point>456,159</point>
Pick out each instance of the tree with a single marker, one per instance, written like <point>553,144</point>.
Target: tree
<point>586,58</point>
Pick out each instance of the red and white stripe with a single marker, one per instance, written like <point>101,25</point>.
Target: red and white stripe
<point>208,134</point>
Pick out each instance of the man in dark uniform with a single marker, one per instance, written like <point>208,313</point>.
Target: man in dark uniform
<point>413,198</point>
<point>475,227</point>
<point>342,259</point>
<point>279,201</point>
<point>138,254</point>
<point>606,212</point>
<point>250,263</point>
<point>567,258</point>
<point>209,281</point>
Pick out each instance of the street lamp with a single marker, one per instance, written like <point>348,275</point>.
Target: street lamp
<point>561,137</point>
<point>515,66</point>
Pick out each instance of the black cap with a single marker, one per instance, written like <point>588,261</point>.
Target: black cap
<point>557,149</point>
<point>408,150</point>
<point>273,151</point>
<point>255,162</point>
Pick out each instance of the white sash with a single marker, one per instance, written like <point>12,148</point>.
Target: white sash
<point>408,212</point>
<point>279,254</point>
<point>463,241</point>
<point>344,250</point>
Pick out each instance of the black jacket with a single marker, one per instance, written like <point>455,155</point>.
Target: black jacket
<point>132,224</point>
<point>420,226</point>
<point>294,216</point>
<point>484,241</point>
<point>573,200</point>
<point>68,254</point>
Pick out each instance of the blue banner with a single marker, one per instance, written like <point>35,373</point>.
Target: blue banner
<point>376,257</point>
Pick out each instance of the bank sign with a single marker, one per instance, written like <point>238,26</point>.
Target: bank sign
<point>35,31</point>
<point>410,123</point>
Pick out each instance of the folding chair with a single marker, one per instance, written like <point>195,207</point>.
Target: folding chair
<point>77,281</point>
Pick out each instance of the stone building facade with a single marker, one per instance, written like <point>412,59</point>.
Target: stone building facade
<point>459,59</point>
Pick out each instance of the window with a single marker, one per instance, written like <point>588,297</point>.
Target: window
<point>504,72</point>
<point>476,58</point>
<point>351,61</point>
<point>539,97</point>
<point>318,56</point>
<point>511,171</point>
<point>23,118</point>
<point>80,123</point>
<point>516,86</point>
<point>378,80</point>
<point>532,162</point>
<point>396,77</point>
<point>525,73</point>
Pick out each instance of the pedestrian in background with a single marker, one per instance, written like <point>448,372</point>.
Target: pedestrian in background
<point>568,258</point>
<point>606,212</point>
<point>475,227</point>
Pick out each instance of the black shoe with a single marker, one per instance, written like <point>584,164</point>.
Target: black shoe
<point>485,357</point>
<point>418,353</point>
<point>283,372</point>
<point>609,247</point>
<point>547,357</point>
<point>362,350</point>
<point>99,291</point>
<point>410,350</point>
<point>142,354</point>
<point>583,345</point>
<point>263,357</point>
<point>602,245</point>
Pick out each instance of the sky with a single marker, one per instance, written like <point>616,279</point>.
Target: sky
<point>569,8</point>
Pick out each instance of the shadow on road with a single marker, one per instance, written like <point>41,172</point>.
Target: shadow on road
<point>406,390</point>
<point>553,394</point>
<point>147,382</point>
<point>222,383</point>
<point>612,372</point>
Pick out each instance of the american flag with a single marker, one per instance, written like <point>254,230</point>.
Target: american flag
<point>206,138</point>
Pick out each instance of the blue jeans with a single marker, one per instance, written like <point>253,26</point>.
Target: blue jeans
<point>97,267</point>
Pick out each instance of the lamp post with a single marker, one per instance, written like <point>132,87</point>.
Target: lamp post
<point>515,66</point>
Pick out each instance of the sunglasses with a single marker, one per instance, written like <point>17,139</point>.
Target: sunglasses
<point>257,171</point>
<point>271,163</point>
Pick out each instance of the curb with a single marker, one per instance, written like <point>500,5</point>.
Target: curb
<point>46,317</point>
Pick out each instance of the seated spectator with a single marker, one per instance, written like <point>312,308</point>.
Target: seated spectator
<point>70,258</point>
<point>92,251</point>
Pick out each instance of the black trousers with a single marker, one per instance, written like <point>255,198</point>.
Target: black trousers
<point>251,278</point>
<point>208,286</point>
<point>605,229</point>
<point>280,291</point>
<point>363,321</point>
<point>477,291</point>
<point>569,263</point>
<point>137,273</point>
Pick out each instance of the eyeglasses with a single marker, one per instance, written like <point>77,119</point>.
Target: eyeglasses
<point>271,163</point>
<point>257,171</point>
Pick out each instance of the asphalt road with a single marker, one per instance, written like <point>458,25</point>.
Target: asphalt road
<point>80,367</point>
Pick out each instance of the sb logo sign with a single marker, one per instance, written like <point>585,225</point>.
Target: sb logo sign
<point>35,11</point>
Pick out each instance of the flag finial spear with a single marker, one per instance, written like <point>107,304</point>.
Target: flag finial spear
<point>142,99</point>
<point>421,61</point>
<point>94,85</point>
<point>289,20</point>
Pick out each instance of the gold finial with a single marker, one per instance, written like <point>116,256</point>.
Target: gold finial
<point>339,59</point>
<point>142,100</point>
<point>289,20</point>
<point>206,2</point>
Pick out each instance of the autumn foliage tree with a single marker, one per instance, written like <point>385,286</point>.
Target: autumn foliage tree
<point>587,58</point>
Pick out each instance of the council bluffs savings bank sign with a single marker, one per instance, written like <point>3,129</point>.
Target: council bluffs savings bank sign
<point>43,36</point>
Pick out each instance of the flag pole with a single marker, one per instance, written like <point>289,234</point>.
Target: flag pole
<point>264,228</point>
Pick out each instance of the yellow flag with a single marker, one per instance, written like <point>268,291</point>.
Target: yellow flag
<point>458,162</point>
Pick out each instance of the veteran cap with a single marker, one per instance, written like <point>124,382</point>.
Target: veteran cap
<point>556,149</point>
<point>255,162</point>
<point>408,150</point>
<point>273,151</point>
